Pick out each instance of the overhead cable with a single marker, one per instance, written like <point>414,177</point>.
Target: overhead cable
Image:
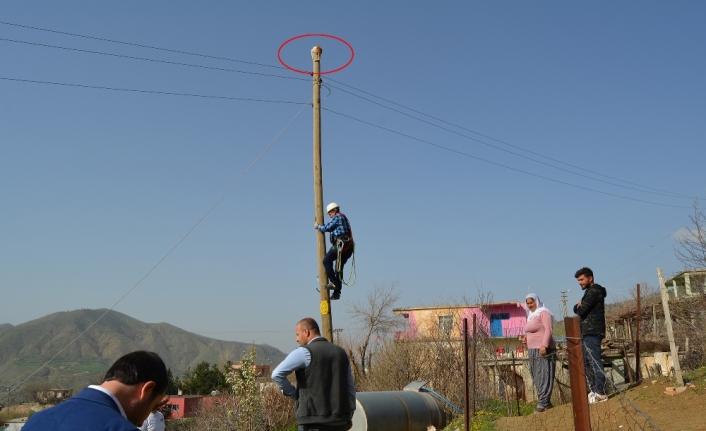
<point>139,45</point>
<point>499,164</point>
<point>131,57</point>
<point>170,250</point>
<point>132,90</point>
<point>639,254</point>
<point>668,194</point>
<point>671,247</point>
<point>491,138</point>
<point>655,191</point>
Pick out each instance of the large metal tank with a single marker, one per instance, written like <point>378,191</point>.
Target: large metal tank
<point>407,410</point>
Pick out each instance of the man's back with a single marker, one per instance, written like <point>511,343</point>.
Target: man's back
<point>89,410</point>
<point>323,386</point>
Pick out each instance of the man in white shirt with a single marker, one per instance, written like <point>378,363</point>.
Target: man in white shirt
<point>154,422</point>
<point>325,393</point>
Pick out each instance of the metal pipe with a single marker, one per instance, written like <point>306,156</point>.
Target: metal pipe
<point>397,411</point>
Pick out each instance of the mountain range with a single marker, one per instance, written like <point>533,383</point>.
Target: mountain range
<point>25,347</point>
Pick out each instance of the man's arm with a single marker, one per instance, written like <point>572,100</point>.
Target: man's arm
<point>331,225</point>
<point>587,302</point>
<point>297,360</point>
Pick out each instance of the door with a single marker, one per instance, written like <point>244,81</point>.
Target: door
<point>496,328</point>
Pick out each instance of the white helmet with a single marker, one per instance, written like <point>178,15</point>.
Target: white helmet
<point>331,206</point>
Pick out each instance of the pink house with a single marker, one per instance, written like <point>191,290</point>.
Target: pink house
<point>496,320</point>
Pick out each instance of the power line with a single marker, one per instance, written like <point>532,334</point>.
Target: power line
<point>170,250</point>
<point>131,57</point>
<point>132,90</point>
<point>668,194</point>
<point>490,137</point>
<point>499,164</point>
<point>642,266</point>
<point>654,190</point>
<point>639,254</point>
<point>139,45</point>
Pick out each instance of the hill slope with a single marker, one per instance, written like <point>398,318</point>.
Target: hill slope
<point>23,348</point>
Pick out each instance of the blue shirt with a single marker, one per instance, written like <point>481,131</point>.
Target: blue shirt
<point>337,226</point>
<point>299,359</point>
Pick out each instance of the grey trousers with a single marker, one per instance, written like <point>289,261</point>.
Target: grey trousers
<point>542,369</point>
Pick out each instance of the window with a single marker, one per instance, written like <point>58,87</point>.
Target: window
<point>500,316</point>
<point>171,407</point>
<point>446,324</point>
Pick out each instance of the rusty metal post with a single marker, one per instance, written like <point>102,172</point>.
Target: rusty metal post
<point>638,373</point>
<point>466,420</point>
<point>475,369</point>
<point>577,374</point>
<point>514,373</point>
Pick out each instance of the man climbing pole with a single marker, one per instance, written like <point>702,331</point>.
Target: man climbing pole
<point>342,247</point>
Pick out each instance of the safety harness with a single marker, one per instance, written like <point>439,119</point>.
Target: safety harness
<point>343,243</point>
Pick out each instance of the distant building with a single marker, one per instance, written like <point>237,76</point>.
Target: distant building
<point>503,359</point>
<point>687,283</point>
<point>503,322</point>
<point>182,406</point>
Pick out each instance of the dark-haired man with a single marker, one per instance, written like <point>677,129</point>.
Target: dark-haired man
<point>591,310</point>
<point>133,386</point>
<point>325,393</point>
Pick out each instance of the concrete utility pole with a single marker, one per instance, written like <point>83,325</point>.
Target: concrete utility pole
<point>563,302</point>
<point>668,323</point>
<point>325,302</point>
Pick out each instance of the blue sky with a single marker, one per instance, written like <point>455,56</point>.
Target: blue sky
<point>99,185</point>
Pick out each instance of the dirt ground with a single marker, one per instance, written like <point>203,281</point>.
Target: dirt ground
<point>682,412</point>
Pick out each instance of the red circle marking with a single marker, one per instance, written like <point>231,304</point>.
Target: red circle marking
<point>279,52</point>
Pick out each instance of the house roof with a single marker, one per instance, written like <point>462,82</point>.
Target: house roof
<point>447,307</point>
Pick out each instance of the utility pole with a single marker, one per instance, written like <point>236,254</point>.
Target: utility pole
<point>325,302</point>
<point>668,324</point>
<point>337,333</point>
<point>563,301</point>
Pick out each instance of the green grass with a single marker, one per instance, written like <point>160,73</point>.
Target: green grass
<point>483,421</point>
<point>488,411</point>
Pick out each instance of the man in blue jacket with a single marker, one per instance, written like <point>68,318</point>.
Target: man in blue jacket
<point>133,386</point>
<point>591,310</point>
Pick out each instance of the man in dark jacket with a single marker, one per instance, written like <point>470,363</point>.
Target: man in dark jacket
<point>591,310</point>
<point>325,393</point>
<point>133,386</point>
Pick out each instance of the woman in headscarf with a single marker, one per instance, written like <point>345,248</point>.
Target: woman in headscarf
<point>541,350</point>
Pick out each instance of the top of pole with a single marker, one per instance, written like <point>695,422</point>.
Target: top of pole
<point>316,53</point>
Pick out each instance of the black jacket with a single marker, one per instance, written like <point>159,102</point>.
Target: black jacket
<point>592,311</point>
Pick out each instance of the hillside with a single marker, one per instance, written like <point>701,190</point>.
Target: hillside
<point>23,348</point>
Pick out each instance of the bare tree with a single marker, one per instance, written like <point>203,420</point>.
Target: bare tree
<point>374,315</point>
<point>692,243</point>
